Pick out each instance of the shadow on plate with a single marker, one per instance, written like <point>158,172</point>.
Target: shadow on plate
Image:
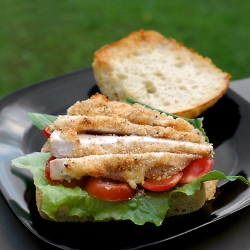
<point>221,121</point>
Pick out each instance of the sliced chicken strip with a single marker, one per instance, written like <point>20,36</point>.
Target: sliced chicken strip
<point>121,126</point>
<point>67,144</point>
<point>100,105</point>
<point>131,168</point>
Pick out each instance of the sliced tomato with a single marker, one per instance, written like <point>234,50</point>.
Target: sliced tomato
<point>196,169</point>
<point>71,183</point>
<point>162,185</point>
<point>46,131</point>
<point>107,189</point>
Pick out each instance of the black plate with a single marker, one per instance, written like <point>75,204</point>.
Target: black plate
<point>226,124</point>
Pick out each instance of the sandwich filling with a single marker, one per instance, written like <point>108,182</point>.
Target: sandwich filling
<point>104,139</point>
<point>125,158</point>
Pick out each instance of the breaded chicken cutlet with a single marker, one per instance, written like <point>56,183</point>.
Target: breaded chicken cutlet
<point>127,143</point>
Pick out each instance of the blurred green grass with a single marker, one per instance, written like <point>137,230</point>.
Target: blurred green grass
<point>41,39</point>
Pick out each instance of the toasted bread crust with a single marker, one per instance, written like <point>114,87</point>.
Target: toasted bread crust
<point>160,72</point>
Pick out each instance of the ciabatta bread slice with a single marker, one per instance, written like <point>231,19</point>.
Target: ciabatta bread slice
<point>159,72</point>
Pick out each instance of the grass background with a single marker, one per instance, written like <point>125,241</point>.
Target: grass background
<point>40,39</point>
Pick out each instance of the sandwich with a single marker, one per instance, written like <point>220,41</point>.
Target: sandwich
<point>107,160</point>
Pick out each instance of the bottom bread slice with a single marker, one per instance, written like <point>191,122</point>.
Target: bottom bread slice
<point>182,204</point>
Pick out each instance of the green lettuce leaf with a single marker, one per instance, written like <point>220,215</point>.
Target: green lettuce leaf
<point>41,120</point>
<point>141,209</point>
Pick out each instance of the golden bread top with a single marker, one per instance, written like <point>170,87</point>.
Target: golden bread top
<point>160,72</point>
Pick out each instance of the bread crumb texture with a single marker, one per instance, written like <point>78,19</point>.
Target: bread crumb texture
<point>160,72</point>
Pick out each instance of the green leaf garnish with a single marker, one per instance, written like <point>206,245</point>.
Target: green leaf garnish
<point>191,187</point>
<point>41,120</point>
